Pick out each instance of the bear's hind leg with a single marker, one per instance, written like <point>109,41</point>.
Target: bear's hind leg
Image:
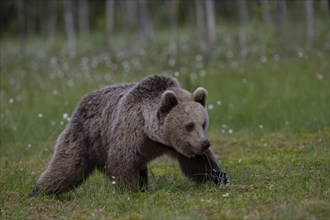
<point>59,178</point>
<point>67,170</point>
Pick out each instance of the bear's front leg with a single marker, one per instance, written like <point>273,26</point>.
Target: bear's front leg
<point>129,180</point>
<point>126,174</point>
<point>143,178</point>
<point>203,167</point>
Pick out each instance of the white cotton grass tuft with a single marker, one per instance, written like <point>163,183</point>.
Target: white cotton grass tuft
<point>65,115</point>
<point>225,195</point>
<point>210,107</point>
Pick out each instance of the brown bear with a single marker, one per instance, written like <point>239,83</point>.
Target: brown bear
<point>120,128</point>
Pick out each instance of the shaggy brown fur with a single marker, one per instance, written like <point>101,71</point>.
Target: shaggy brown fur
<point>120,128</point>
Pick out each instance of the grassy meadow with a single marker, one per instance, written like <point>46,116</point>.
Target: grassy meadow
<point>269,126</point>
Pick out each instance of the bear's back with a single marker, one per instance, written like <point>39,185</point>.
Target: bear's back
<point>99,102</point>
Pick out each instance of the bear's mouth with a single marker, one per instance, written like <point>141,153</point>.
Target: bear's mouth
<point>195,151</point>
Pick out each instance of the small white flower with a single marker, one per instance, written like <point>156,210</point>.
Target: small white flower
<point>261,126</point>
<point>198,57</point>
<point>114,182</point>
<point>70,83</point>
<point>301,53</point>
<point>210,106</point>
<point>320,76</point>
<point>29,146</point>
<point>230,131</point>
<point>219,103</point>
<point>65,115</point>
<point>239,160</point>
<point>202,73</point>
<point>11,100</point>
<point>263,59</point>
<point>40,115</point>
<point>225,195</point>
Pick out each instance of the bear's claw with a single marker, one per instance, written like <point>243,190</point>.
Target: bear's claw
<point>34,192</point>
<point>220,178</point>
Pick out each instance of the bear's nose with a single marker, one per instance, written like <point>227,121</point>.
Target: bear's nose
<point>206,144</point>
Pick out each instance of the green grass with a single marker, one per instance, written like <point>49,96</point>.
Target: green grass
<point>269,126</point>
<point>275,176</point>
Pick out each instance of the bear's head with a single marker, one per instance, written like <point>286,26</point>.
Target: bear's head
<point>184,122</point>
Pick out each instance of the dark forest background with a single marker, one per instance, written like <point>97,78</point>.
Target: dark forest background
<point>290,20</point>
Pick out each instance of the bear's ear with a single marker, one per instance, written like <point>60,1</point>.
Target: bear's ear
<point>200,96</point>
<point>168,101</point>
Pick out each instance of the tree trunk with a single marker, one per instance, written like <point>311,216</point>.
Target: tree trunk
<point>124,16</point>
<point>52,16</point>
<point>129,14</point>
<point>145,22</point>
<point>31,18</point>
<point>265,10</point>
<point>210,23</point>
<point>173,10</point>
<point>281,26</point>
<point>309,21</point>
<point>21,26</point>
<point>109,17</point>
<point>325,6</point>
<point>244,20</point>
<point>83,18</point>
<point>131,7</point>
<point>69,26</point>
<point>200,19</point>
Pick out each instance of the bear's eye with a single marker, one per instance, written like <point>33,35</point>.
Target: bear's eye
<point>204,125</point>
<point>190,127</point>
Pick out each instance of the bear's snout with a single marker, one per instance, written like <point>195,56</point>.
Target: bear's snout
<point>205,145</point>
